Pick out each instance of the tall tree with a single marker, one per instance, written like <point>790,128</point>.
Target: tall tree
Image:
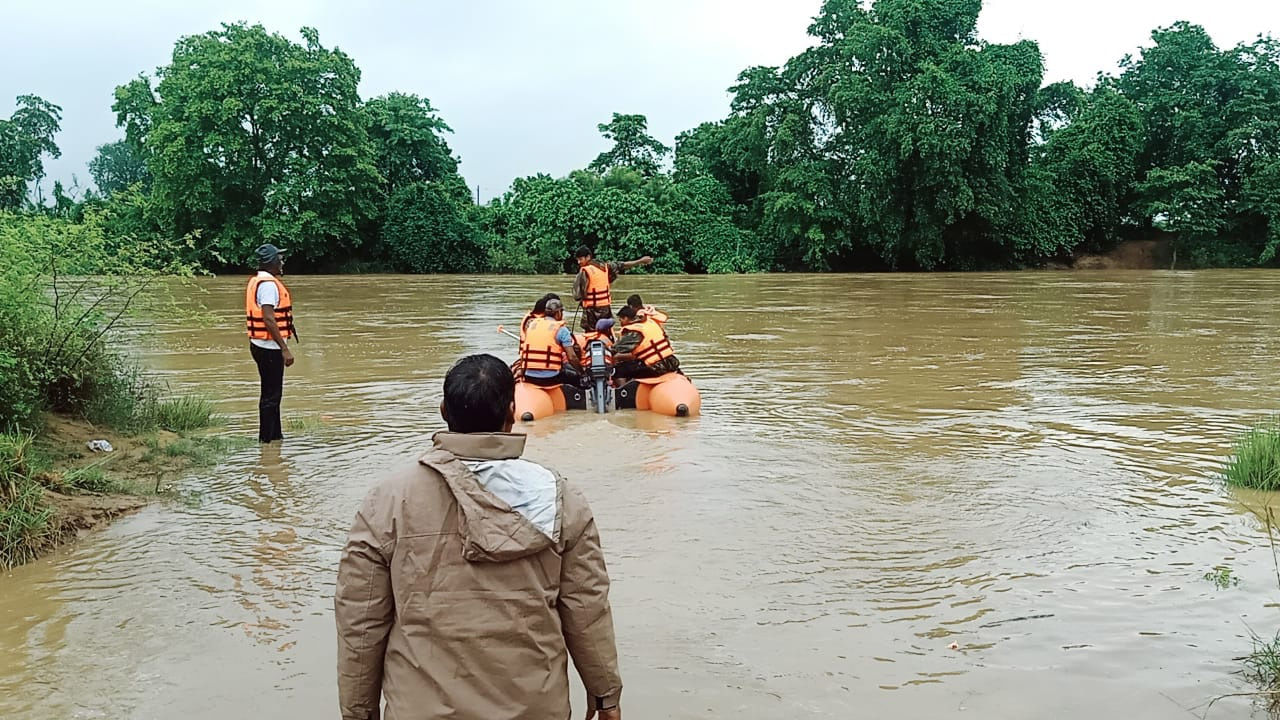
<point>251,137</point>
<point>117,166</point>
<point>1212,122</point>
<point>25,138</point>
<point>633,146</point>
<point>408,141</point>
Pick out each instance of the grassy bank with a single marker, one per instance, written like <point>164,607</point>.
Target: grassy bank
<point>52,485</point>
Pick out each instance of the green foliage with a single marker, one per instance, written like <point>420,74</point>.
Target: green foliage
<point>633,147</point>
<point>90,478</point>
<point>25,138</point>
<point>408,141</point>
<point>117,167</point>
<point>26,518</point>
<point>1255,460</point>
<point>426,231</point>
<point>1081,175</point>
<point>282,154</point>
<point>1206,171</point>
<point>1262,667</point>
<point>64,287</point>
<point>898,140</point>
<point>1222,577</point>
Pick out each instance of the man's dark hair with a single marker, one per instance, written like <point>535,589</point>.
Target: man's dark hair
<point>628,312</point>
<point>583,252</point>
<point>478,392</point>
<point>540,307</point>
<point>635,302</point>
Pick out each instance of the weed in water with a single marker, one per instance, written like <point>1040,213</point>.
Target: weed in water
<point>1255,460</point>
<point>307,423</point>
<point>1222,577</point>
<point>1262,666</point>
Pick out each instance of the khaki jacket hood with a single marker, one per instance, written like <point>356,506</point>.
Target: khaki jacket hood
<point>491,530</point>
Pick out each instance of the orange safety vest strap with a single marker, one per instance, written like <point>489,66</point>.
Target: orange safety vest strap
<point>597,293</point>
<point>656,346</point>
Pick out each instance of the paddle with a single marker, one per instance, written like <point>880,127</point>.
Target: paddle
<point>508,333</point>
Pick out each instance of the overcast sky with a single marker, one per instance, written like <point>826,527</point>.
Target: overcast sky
<point>523,84</point>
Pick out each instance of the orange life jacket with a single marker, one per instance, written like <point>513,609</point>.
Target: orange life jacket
<point>254,322</point>
<point>582,341</point>
<point>657,315</point>
<point>655,346</point>
<point>541,351</point>
<point>524,324</point>
<point>597,293</point>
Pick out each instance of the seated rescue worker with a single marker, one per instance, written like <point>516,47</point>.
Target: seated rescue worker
<point>603,333</point>
<point>549,356</point>
<point>646,311</point>
<point>539,310</point>
<point>643,351</point>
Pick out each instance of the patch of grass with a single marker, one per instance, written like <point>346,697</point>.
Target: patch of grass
<point>196,450</point>
<point>186,413</point>
<point>307,423</point>
<point>90,478</point>
<point>1222,577</point>
<point>1255,459</point>
<point>1262,667</point>
<point>26,525</point>
<point>26,518</point>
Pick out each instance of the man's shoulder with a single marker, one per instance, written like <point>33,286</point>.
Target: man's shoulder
<point>404,478</point>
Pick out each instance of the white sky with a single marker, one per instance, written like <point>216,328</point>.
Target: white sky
<point>523,84</point>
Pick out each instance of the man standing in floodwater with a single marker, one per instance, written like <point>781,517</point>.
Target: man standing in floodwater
<point>471,575</point>
<point>591,286</point>
<point>268,313</point>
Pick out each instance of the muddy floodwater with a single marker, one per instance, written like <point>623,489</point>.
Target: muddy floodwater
<point>1023,465</point>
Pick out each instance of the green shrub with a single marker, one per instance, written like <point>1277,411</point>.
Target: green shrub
<point>1255,460</point>
<point>426,231</point>
<point>185,413</point>
<point>26,518</point>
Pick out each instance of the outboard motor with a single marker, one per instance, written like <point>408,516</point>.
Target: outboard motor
<point>599,367</point>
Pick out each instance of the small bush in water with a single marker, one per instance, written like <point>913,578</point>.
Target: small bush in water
<point>1255,461</point>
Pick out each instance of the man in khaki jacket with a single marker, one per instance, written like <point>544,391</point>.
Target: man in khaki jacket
<point>471,575</point>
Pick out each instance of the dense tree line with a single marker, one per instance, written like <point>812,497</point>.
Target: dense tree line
<point>899,140</point>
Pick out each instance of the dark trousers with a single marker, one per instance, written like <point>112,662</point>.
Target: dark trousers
<point>590,316</point>
<point>566,377</point>
<point>271,372</point>
<point>637,369</point>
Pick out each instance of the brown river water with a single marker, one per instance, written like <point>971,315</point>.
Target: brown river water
<point>1024,465</point>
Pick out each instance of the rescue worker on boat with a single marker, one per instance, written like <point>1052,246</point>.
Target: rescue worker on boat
<point>548,356</point>
<point>643,311</point>
<point>591,286</point>
<point>539,310</point>
<point>644,350</point>
<point>603,333</point>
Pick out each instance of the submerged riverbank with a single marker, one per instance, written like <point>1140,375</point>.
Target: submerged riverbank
<point>54,487</point>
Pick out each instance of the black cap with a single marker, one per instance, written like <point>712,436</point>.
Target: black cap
<point>268,253</point>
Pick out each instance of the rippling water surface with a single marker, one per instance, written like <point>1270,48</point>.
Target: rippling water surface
<point>1021,464</point>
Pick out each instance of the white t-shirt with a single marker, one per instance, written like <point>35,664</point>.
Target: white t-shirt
<point>268,294</point>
